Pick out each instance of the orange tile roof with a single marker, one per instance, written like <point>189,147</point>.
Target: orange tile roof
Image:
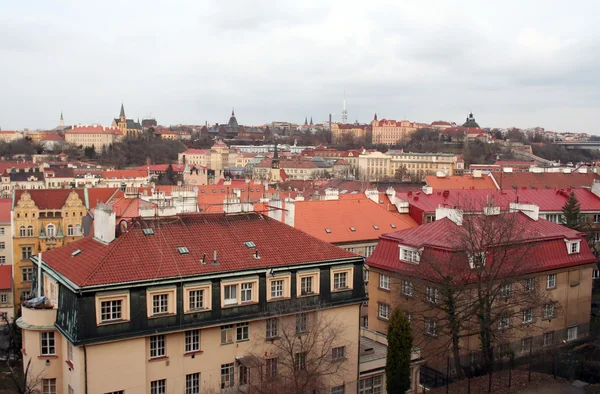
<point>460,182</point>
<point>340,216</point>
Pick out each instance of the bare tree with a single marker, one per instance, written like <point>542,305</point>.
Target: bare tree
<point>307,350</point>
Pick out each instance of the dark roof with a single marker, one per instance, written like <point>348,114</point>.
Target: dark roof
<point>24,176</point>
<point>232,121</point>
<point>134,257</point>
<point>470,122</point>
<point>131,124</point>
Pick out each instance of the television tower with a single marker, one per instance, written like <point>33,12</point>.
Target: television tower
<point>344,112</point>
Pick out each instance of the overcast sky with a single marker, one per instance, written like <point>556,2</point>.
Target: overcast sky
<point>513,63</point>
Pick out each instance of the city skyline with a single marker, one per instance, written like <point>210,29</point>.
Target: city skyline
<point>521,65</point>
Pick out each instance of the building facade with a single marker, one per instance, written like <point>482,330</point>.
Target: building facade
<point>373,166</point>
<point>355,133</point>
<point>128,127</point>
<point>390,132</point>
<point>94,136</point>
<point>209,318</point>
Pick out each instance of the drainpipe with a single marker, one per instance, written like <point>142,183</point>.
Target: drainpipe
<point>39,275</point>
<point>85,369</point>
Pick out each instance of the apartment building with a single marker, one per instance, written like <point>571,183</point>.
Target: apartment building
<point>95,136</point>
<point>341,132</point>
<point>6,261</point>
<point>373,166</point>
<point>217,158</point>
<point>6,296</point>
<point>554,265</point>
<point>390,132</point>
<point>159,309</point>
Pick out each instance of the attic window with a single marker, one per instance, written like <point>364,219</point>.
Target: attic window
<point>392,225</point>
<point>251,190</point>
<point>328,230</point>
<point>75,253</point>
<point>352,229</point>
<point>214,191</point>
<point>222,190</point>
<point>476,259</point>
<point>183,250</point>
<point>148,231</point>
<point>201,190</point>
<point>573,246</point>
<point>376,227</point>
<point>250,244</point>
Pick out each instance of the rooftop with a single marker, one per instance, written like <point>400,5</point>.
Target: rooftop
<point>544,180</point>
<point>134,256</point>
<point>460,182</point>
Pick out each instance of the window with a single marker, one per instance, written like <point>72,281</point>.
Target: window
<point>554,218</point>
<point>227,376</point>
<point>528,315</point>
<point>242,331</point>
<point>195,299</point>
<point>157,346</point>
<point>301,323</point>
<point>30,231</point>
<point>50,231</point>
<point>572,333</point>
<point>306,285</point>
<point>369,250</point>
<point>158,386</point>
<point>548,338</point>
<point>384,282</point>
<point>548,311</point>
<point>476,259</point>
<point>366,275</point>
<point>597,218</point>
<point>505,290</point>
<point>272,328</point>
<point>430,327</point>
<point>529,284</point>
<point>230,294</point>
<point>160,304</point>
<point>573,247</point>
<point>595,272</point>
<point>246,292</point>
<point>340,280</point>
<point>525,344</point>
<point>27,274</point>
<point>77,229</point>
<point>110,310</point>
<point>48,344</point>
<point>192,341</point>
<point>3,299</point>
<point>551,281</point>
<point>338,353</point>
<point>271,368</point>
<point>192,383</point>
<point>22,232</point>
<point>227,334</point>
<point>1,230</point>
<point>504,322</point>
<point>26,252</point>
<point>117,392</point>
<point>277,288</point>
<point>70,351</point>
<point>432,294</point>
<point>243,375</point>
<point>300,361</point>
<point>384,311</point>
<point>410,255</point>
<point>407,287</point>
<point>2,260</point>
<point>2,246</point>
<point>337,390</point>
<point>70,231</point>
<point>49,386</point>
<point>371,385</point>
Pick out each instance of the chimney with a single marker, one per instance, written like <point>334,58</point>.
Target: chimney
<point>372,194</point>
<point>215,262</point>
<point>456,215</point>
<point>105,222</point>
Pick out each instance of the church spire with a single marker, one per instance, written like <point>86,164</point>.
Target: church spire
<point>232,112</point>
<point>122,114</point>
<point>275,161</point>
<point>305,121</point>
<point>311,123</point>
<point>62,120</point>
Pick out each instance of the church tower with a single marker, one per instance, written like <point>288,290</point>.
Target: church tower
<point>275,175</point>
<point>62,120</point>
<point>122,124</point>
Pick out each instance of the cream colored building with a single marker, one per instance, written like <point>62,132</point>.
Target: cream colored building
<point>340,132</point>
<point>93,136</point>
<point>9,136</point>
<point>373,166</point>
<point>217,158</point>
<point>390,132</point>
<point>6,262</point>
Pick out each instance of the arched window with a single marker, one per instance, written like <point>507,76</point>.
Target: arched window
<point>50,231</point>
<point>70,230</point>
<point>30,231</point>
<point>22,231</point>
<point>77,229</point>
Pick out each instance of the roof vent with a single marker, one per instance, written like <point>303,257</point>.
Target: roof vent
<point>376,227</point>
<point>148,231</point>
<point>250,244</point>
<point>392,225</point>
<point>352,229</point>
<point>203,261</point>
<point>256,255</point>
<point>215,262</point>
<point>183,250</point>
<point>75,253</point>
<point>328,230</point>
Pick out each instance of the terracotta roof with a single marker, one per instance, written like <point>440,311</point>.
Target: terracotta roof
<point>118,174</point>
<point>195,152</point>
<point>460,182</point>
<point>5,209</point>
<point>5,277</point>
<point>546,251</point>
<point>342,216</point>
<point>9,132</point>
<point>134,256</point>
<point>93,129</point>
<point>544,180</point>
<point>56,198</point>
<point>440,123</point>
<point>211,197</point>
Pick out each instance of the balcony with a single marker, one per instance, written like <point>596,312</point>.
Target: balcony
<point>39,317</point>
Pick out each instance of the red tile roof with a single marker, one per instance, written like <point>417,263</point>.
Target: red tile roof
<point>195,152</point>
<point>211,197</point>
<point>5,209</point>
<point>93,129</point>
<point>460,182</point>
<point>119,174</point>
<point>544,180</point>
<point>5,277</point>
<point>547,250</point>
<point>134,256</point>
<point>360,213</point>
<point>56,198</point>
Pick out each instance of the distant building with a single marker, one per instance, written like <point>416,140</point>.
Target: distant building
<point>374,166</point>
<point>149,122</point>
<point>390,132</point>
<point>6,263</point>
<point>9,136</point>
<point>128,127</point>
<point>95,136</point>
<point>341,132</point>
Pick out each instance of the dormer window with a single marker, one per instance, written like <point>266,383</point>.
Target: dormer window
<point>410,255</point>
<point>573,246</point>
<point>476,259</point>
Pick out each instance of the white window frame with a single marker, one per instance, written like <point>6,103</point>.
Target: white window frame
<point>246,292</point>
<point>192,383</point>
<point>432,294</point>
<point>3,299</point>
<point>504,322</point>
<point>431,327</point>
<point>301,322</point>
<point>160,304</point>
<point>272,328</point>
<point>338,353</point>
<point>529,284</point>
<point>549,311</point>
<point>271,367</point>
<point>551,281</point>
<point>407,287</point>
<point>158,346</point>
<point>230,295</point>
<point>158,386</point>
<point>49,386</point>
<point>506,290</point>
<point>572,333</point>
<point>277,288</point>
<point>477,259</point>
<point>47,343</point>
<point>227,376</point>
<point>306,285</point>
<point>595,273</point>
<point>384,281</point>
<point>340,280</point>
<point>410,255</point>
<point>192,341</point>
<point>527,315</point>
<point>242,332</point>
<point>573,246</point>
<point>227,334</point>
<point>113,311</point>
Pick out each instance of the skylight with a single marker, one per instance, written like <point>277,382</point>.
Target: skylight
<point>352,229</point>
<point>250,244</point>
<point>376,227</point>
<point>75,253</point>
<point>183,250</point>
<point>392,225</point>
<point>328,230</point>
<point>148,231</point>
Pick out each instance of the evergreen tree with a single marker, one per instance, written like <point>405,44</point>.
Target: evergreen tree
<point>571,217</point>
<point>397,367</point>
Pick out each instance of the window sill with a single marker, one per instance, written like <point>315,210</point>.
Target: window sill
<point>574,284</point>
<point>227,343</point>
<point>384,289</point>
<point>70,364</point>
<point>278,299</point>
<point>548,318</point>
<point>551,288</point>
<point>308,294</point>
<point>51,356</point>
<point>111,322</point>
<point>159,315</point>
<point>341,289</point>
<point>272,338</point>
<point>158,358</point>
<point>198,310</point>
<point>383,318</point>
<point>193,353</point>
